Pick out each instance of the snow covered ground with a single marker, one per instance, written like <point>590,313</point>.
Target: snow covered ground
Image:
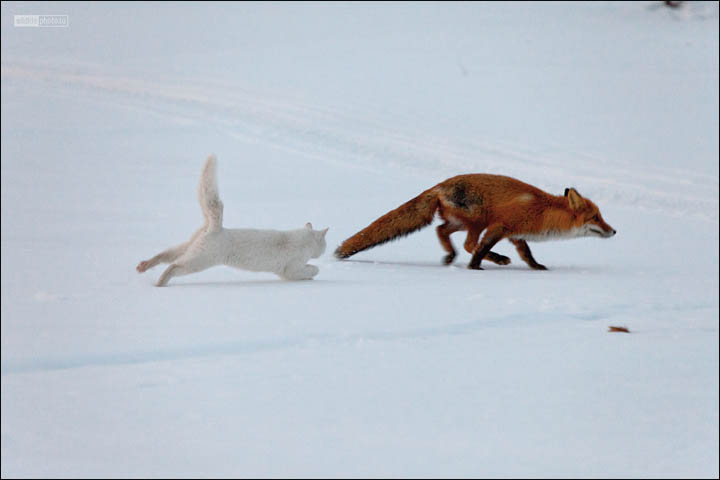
<point>388,364</point>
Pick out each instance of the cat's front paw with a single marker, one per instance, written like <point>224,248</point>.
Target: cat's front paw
<point>309,272</point>
<point>142,266</point>
<point>306,272</point>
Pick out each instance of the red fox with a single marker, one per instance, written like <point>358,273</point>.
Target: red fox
<point>502,206</point>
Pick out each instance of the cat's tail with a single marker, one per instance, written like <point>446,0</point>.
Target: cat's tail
<point>208,196</point>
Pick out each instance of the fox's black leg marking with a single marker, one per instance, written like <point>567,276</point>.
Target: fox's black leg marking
<point>525,253</point>
<point>493,235</point>
<point>471,244</point>
<point>497,258</point>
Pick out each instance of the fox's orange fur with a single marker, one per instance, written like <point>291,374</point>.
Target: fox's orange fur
<point>502,207</point>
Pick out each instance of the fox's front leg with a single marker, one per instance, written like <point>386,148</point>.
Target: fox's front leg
<point>525,253</point>
<point>169,255</point>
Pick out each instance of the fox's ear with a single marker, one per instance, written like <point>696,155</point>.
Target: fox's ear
<point>308,225</point>
<point>574,199</point>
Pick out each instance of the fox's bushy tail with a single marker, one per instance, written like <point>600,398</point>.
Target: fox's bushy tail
<point>208,196</point>
<point>407,218</point>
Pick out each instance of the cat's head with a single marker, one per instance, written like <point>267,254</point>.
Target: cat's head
<point>319,237</point>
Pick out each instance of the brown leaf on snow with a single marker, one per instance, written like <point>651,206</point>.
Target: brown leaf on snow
<point>619,329</point>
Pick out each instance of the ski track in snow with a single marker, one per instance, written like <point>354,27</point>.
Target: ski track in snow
<point>43,364</point>
<point>343,135</point>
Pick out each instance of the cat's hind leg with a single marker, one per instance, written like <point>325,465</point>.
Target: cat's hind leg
<point>169,255</point>
<point>183,267</point>
<point>166,256</point>
<point>167,275</point>
<point>299,272</point>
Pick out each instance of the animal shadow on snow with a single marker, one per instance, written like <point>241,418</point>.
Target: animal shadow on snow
<point>489,267</point>
<point>251,283</point>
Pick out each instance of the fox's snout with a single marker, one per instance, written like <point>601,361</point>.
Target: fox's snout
<point>609,232</point>
<point>602,230</point>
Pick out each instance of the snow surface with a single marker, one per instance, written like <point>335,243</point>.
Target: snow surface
<point>388,364</point>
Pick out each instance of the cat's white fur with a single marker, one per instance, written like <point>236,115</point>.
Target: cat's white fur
<point>284,253</point>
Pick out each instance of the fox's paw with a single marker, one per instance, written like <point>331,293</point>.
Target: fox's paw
<point>142,266</point>
<point>475,267</point>
<point>537,266</point>
<point>448,259</point>
<point>498,259</point>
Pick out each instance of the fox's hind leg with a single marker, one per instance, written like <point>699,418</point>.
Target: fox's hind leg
<point>497,258</point>
<point>472,239</point>
<point>443,232</point>
<point>471,245</point>
<point>493,234</point>
<point>525,253</point>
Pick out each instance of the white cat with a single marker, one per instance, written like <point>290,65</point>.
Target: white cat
<point>284,253</point>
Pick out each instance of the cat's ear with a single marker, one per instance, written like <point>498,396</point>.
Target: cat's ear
<point>324,232</point>
<point>308,225</point>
